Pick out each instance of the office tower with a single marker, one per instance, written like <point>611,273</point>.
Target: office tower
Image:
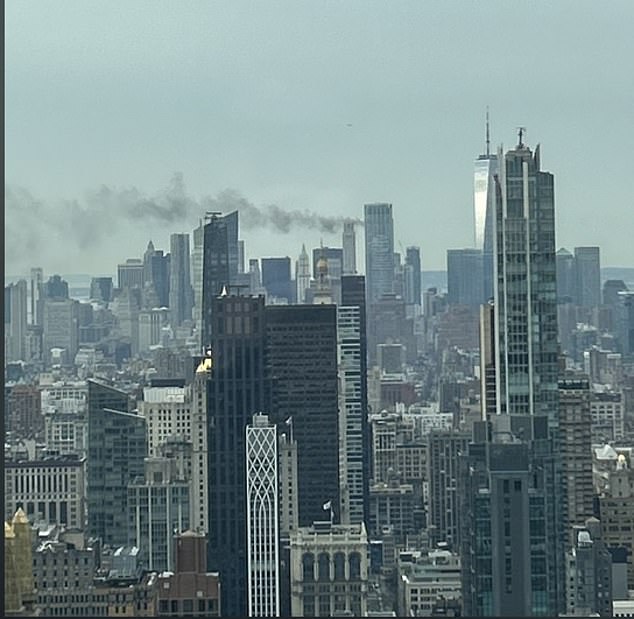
<point>444,450</point>
<point>379,250</point>
<point>276,278</point>
<point>611,290</point>
<point>130,274</point>
<point>158,506</point>
<point>353,295</point>
<point>588,276</point>
<point>464,277</point>
<point>329,570</point>
<point>616,508</point>
<point>522,574</point>
<point>55,288</point>
<point>509,531</point>
<point>302,363</point>
<point>215,270</point>
<point>576,450</point>
<point>37,279</point>
<point>566,276</point>
<point>197,276</point>
<point>349,249</point>
<point>486,167</point>
<point>488,381</point>
<point>50,489</point>
<point>24,412</point>
<point>302,275</point>
<point>181,293</point>
<point>101,289</point>
<point>413,276</point>
<point>288,508</point>
<point>236,391</point>
<point>117,447</point>
<point>625,322</point>
<point>588,572</point>
<point>262,518</point>
<point>156,271</point>
<point>175,589</point>
<point>60,324</point>
<point>351,413</point>
<point>15,321</point>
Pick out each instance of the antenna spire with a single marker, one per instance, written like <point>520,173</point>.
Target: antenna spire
<point>488,141</point>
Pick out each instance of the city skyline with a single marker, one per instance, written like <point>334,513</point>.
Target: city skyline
<point>404,130</point>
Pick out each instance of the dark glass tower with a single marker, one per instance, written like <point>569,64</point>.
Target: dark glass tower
<point>117,446</point>
<point>216,272</point>
<point>181,294</point>
<point>302,365</point>
<point>236,391</point>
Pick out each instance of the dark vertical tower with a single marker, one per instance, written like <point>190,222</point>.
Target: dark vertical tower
<point>588,276</point>
<point>464,277</point>
<point>353,294</point>
<point>181,292</point>
<point>276,277</point>
<point>237,391</point>
<point>117,446</point>
<point>302,365</point>
<point>413,276</point>
<point>215,273</point>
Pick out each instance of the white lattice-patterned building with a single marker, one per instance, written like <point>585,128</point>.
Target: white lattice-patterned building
<point>262,518</point>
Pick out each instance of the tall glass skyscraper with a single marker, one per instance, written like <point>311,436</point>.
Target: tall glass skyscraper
<point>486,167</point>
<point>379,250</point>
<point>513,510</point>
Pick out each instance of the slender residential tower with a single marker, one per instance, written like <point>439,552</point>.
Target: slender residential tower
<point>262,518</point>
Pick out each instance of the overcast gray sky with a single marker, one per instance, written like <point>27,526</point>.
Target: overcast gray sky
<point>308,105</point>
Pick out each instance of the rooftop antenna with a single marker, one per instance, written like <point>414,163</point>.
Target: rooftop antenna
<point>488,141</point>
<point>522,131</point>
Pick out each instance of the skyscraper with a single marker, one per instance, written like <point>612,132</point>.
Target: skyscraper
<point>464,277</point>
<point>512,484</point>
<point>349,249</point>
<point>236,391</point>
<point>117,447</point>
<point>215,271</point>
<point>276,278</point>
<point>37,278</point>
<point>262,518</point>
<point>413,276</point>
<point>15,321</point>
<point>351,414</point>
<point>588,276</point>
<point>301,350</point>
<point>486,167</point>
<point>379,250</point>
<point>181,292</point>
<point>302,275</point>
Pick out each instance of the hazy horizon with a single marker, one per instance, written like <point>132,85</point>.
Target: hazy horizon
<point>304,107</point>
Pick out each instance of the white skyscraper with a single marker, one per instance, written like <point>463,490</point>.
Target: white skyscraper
<point>486,166</point>
<point>262,518</point>
<point>351,414</point>
<point>302,275</point>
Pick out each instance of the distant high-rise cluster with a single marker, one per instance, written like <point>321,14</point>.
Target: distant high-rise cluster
<point>209,433</point>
